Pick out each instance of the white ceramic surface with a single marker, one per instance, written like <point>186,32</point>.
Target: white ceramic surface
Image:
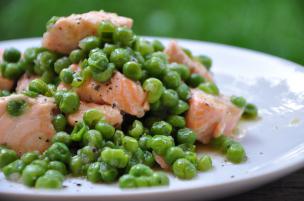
<point>274,142</point>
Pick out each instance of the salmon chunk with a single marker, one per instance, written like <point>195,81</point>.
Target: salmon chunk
<point>32,130</point>
<point>177,55</point>
<point>65,34</point>
<point>210,116</point>
<point>5,84</point>
<point>112,115</point>
<point>24,81</point>
<point>120,92</point>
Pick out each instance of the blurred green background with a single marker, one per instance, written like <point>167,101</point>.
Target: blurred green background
<point>272,26</point>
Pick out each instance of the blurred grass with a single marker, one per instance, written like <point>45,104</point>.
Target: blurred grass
<point>272,26</point>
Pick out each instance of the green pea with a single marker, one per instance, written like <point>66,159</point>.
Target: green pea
<point>4,93</point>
<point>250,111</point>
<point>191,156</point>
<point>155,67</point>
<point>130,144</point>
<point>161,128</point>
<point>169,98</point>
<point>78,131</point>
<point>76,56</point>
<point>88,154</point>
<point>66,76</point>
<point>160,179</point>
<point>108,49</point>
<point>209,88</point>
<point>30,93</point>
<point>59,166</point>
<point>236,153</point>
<point>61,63</point>
<point>118,137</point>
<point>58,152</point>
<point>38,86</point>
<point>238,101</point>
<point>108,173</point>
<point>55,174</point>
<point>123,36</point>
<point>205,60</point>
<point>11,55</point>
<point>59,122</point>
<point>105,31</point>
<point>204,163</point>
<point>184,169</point>
<point>29,157</point>
<point>144,141</point>
<point>176,121</point>
<point>16,107</point>
<point>127,181</point>
<point>106,130</point>
<point>136,129</point>
<point>115,157</point>
<point>119,57</point>
<point>180,108</point>
<point>140,170</point>
<point>12,71</point>
<point>186,136</point>
<point>31,53</point>
<point>105,75</point>
<point>69,103</point>
<point>31,173</point>
<point>148,158</point>
<point>161,143</point>
<point>62,137</point>
<point>58,96</point>
<point>92,116</point>
<point>144,47</point>
<point>51,22</point>
<point>93,172</point>
<point>76,165</point>
<point>89,43</point>
<point>222,143</point>
<point>139,58</point>
<point>48,182</point>
<point>195,79</point>
<point>48,76</point>
<point>174,153</point>
<point>43,163</point>
<point>46,60</point>
<point>171,79</point>
<point>142,181</point>
<point>13,170</point>
<point>157,45</point>
<point>155,89</point>
<point>181,69</point>
<point>98,61</point>
<point>93,138</point>
<point>132,70</point>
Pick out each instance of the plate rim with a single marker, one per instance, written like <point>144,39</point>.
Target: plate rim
<point>264,176</point>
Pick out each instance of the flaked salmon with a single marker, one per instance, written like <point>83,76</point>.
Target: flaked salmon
<point>32,130</point>
<point>65,34</point>
<point>209,116</point>
<point>120,92</point>
<point>161,162</point>
<point>112,115</point>
<point>176,54</point>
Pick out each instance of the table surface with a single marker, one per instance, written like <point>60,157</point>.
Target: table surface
<point>289,188</point>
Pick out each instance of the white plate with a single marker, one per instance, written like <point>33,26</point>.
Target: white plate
<point>274,143</point>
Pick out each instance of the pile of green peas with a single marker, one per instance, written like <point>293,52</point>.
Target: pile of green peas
<point>95,149</point>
